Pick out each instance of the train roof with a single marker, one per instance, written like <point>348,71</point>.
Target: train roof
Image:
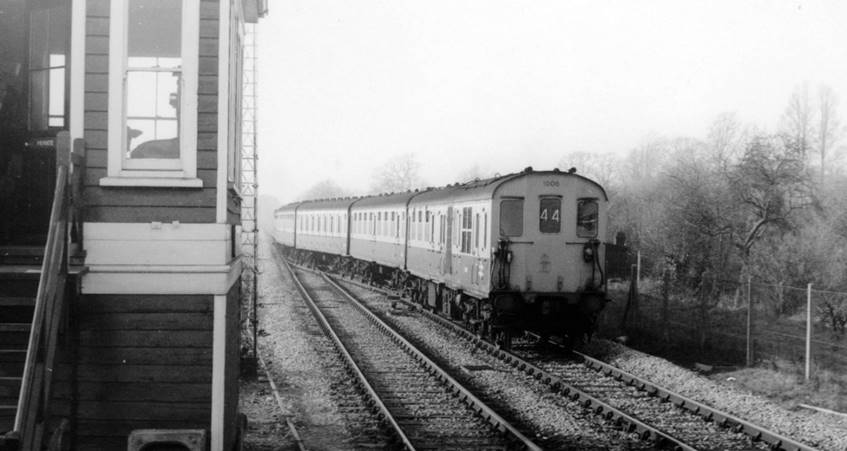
<point>472,189</point>
<point>485,188</point>
<point>327,204</point>
<point>386,199</point>
<point>289,206</point>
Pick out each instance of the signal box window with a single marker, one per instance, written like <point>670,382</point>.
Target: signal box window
<point>586,218</point>
<point>511,217</point>
<point>153,75</point>
<point>550,217</point>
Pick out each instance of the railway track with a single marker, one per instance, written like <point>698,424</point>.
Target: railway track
<point>666,418</point>
<point>422,406</point>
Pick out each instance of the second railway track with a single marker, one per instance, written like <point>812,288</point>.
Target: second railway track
<point>425,407</point>
<point>667,418</point>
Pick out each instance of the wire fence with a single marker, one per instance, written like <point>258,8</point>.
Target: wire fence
<point>732,322</point>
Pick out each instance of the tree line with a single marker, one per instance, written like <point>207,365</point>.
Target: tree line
<point>740,202</point>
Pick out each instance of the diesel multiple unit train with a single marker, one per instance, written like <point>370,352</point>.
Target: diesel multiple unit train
<point>513,252</point>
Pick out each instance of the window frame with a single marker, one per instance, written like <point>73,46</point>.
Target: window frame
<point>177,172</point>
<point>596,204</point>
<point>500,216</point>
<point>235,101</point>
<point>466,230</point>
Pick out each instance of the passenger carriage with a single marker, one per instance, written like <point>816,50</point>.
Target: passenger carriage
<point>378,233</point>
<point>520,251</point>
<point>322,226</point>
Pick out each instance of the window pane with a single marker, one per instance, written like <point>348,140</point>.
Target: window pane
<point>57,95</point>
<point>38,100</point>
<point>476,232</point>
<point>511,217</point>
<point>152,114</point>
<point>586,218</point>
<point>48,43</point>
<point>550,217</point>
<point>485,231</point>
<point>155,31</point>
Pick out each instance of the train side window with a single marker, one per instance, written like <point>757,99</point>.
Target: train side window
<point>476,232</point>
<point>586,218</point>
<point>442,222</point>
<point>420,229</point>
<point>511,217</point>
<point>432,230</point>
<point>550,215</point>
<point>485,230</point>
<point>467,228</point>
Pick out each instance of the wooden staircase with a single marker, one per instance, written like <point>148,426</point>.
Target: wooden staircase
<point>36,285</point>
<point>18,288</point>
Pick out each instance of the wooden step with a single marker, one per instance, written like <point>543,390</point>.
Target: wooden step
<point>15,327</point>
<point>22,255</point>
<point>34,271</point>
<point>10,387</point>
<point>12,369</point>
<point>12,355</point>
<point>12,340</point>
<point>30,272</point>
<point>17,301</point>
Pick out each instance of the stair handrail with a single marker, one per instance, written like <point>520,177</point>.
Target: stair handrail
<point>36,382</point>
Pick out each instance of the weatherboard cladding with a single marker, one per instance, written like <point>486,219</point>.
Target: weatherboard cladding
<point>144,204</point>
<point>140,361</point>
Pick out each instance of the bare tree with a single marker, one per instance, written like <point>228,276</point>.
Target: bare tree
<point>601,167</point>
<point>643,163</point>
<point>324,189</point>
<point>770,184</point>
<point>400,173</point>
<point>798,120</point>
<point>829,129</point>
<point>726,140</point>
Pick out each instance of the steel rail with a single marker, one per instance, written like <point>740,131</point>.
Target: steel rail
<point>709,413</point>
<point>348,359</point>
<point>645,431</point>
<point>607,411</point>
<point>291,428</point>
<point>478,405</point>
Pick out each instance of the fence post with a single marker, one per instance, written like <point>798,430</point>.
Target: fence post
<point>632,298</point>
<point>749,324</point>
<point>808,331</point>
<point>666,281</point>
<point>638,267</point>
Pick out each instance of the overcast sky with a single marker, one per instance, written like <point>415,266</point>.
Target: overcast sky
<point>345,85</point>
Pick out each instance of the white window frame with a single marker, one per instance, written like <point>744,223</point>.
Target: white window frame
<point>235,99</point>
<point>180,172</point>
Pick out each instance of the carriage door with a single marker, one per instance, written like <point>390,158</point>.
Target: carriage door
<point>447,255</point>
<point>33,109</point>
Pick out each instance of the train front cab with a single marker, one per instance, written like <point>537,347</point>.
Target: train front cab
<point>547,265</point>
